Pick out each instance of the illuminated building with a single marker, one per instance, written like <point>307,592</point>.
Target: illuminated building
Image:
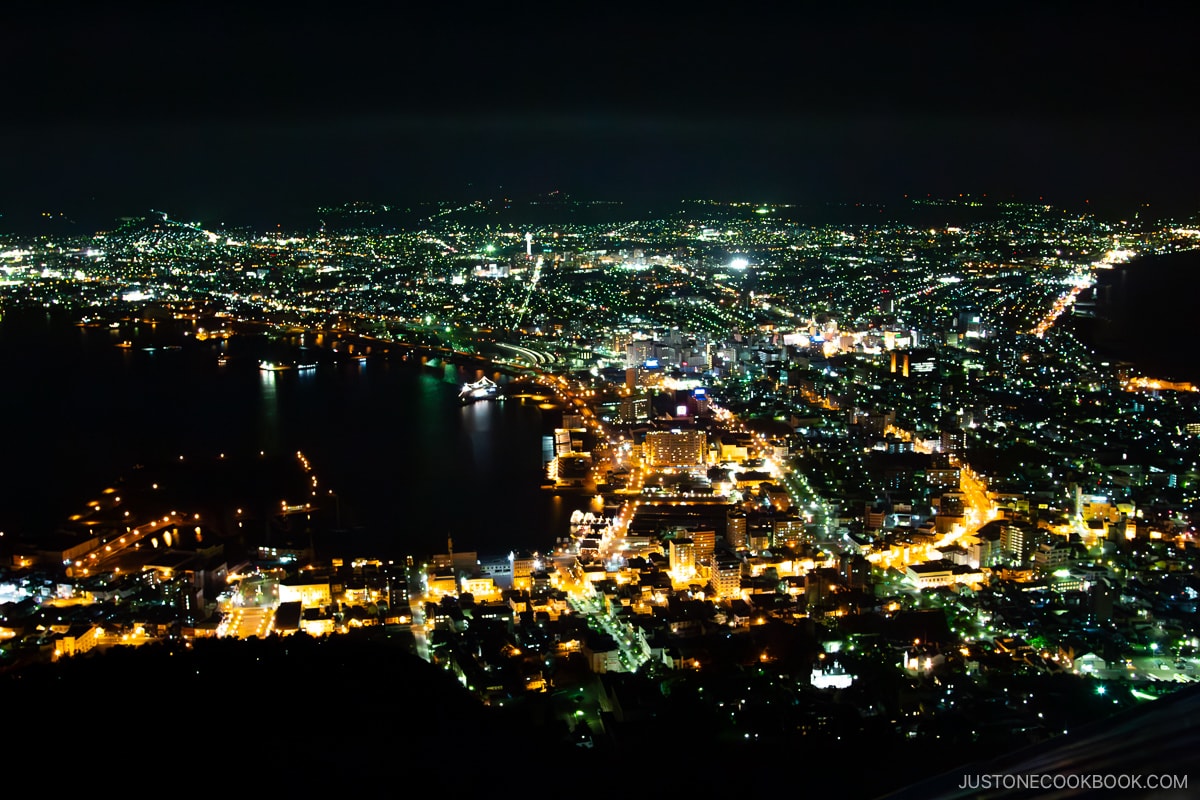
<point>676,448</point>
<point>481,587</point>
<point>828,673</point>
<point>635,408</point>
<point>309,592</point>
<point>682,555</point>
<point>1018,540</point>
<point>726,576</point>
<point>970,324</point>
<point>943,479</point>
<point>951,508</point>
<point>776,495</point>
<point>705,544</point>
<point>523,566</point>
<point>735,446</point>
<point>397,587</point>
<point>759,534</point>
<point>986,549</point>
<point>491,270</point>
<point>571,469</point>
<point>638,352</point>
<point>875,516</point>
<point>1050,556</point>
<point>930,574</point>
<point>442,583</point>
<point>601,652</point>
<point>954,441</point>
<point>78,639</point>
<point>287,619</point>
<point>787,531</point>
<point>735,529</point>
<point>464,562</point>
<point>920,362</point>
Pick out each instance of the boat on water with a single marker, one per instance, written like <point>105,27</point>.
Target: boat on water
<point>482,389</point>
<point>271,366</point>
<point>306,367</point>
<point>222,360</point>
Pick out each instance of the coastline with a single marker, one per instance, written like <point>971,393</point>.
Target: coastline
<point>1143,315</point>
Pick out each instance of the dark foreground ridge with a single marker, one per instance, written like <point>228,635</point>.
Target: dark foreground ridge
<point>308,711</point>
<point>1158,739</point>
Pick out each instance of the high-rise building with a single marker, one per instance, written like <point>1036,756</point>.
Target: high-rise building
<point>735,529</point>
<point>954,441</point>
<point>676,448</point>
<point>682,557</point>
<point>705,542</point>
<point>397,586</point>
<point>1018,540</point>
<point>638,352</point>
<point>726,576</point>
<point>788,530</point>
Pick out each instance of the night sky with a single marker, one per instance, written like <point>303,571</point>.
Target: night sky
<point>213,112</point>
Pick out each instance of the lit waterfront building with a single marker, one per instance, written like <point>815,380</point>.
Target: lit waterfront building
<point>524,564</point>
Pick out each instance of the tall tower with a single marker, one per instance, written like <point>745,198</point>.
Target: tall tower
<point>529,246</point>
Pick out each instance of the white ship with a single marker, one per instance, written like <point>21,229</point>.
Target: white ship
<point>482,389</point>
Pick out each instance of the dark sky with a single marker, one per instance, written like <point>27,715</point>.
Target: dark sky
<point>211,110</point>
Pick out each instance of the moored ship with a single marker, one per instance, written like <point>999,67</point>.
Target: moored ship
<point>482,389</point>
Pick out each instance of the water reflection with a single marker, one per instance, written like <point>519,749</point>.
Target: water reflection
<point>268,416</point>
<point>477,421</point>
<point>410,464</point>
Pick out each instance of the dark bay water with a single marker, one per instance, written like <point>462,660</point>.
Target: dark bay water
<point>1145,314</point>
<point>410,465</point>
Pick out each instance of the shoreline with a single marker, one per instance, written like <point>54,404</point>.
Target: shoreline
<point>1143,313</point>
